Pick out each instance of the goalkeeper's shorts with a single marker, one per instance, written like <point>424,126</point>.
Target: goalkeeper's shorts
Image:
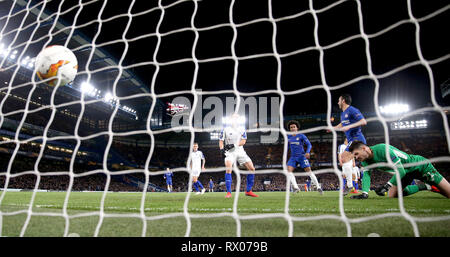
<point>429,174</point>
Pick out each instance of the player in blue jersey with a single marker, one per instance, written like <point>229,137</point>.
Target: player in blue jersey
<point>308,184</point>
<point>168,177</point>
<point>211,185</point>
<point>299,156</point>
<point>351,122</point>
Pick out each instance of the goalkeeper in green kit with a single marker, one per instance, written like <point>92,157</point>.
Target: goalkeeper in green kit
<point>424,171</point>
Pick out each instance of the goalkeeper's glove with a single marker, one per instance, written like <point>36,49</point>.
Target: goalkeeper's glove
<point>229,147</point>
<point>364,195</point>
<point>381,191</point>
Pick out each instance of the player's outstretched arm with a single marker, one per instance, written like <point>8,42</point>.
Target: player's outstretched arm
<point>382,190</point>
<point>361,122</point>
<point>401,171</point>
<point>338,126</point>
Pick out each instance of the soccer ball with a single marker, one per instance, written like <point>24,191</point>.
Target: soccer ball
<point>56,62</point>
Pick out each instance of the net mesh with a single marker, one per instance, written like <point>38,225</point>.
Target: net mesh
<point>22,24</point>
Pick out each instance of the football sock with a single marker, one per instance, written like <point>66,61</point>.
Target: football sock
<point>200,184</point>
<point>250,181</point>
<point>228,180</point>
<point>355,172</point>
<point>355,185</point>
<point>196,186</point>
<point>293,180</point>
<point>314,179</point>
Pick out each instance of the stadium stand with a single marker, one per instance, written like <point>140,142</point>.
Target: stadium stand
<point>56,158</point>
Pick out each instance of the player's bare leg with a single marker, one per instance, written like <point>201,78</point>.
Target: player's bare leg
<point>292,179</point>
<point>444,188</point>
<point>314,179</point>
<point>250,178</point>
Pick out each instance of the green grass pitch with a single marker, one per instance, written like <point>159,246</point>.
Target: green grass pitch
<point>162,215</point>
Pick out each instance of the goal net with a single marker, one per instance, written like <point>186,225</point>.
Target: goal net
<point>156,76</point>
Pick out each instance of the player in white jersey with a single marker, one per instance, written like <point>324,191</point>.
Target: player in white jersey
<point>197,165</point>
<point>349,168</point>
<point>231,143</point>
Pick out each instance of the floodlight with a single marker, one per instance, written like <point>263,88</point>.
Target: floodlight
<point>108,97</point>
<point>393,109</point>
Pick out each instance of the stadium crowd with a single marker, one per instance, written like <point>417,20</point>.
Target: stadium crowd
<point>48,180</point>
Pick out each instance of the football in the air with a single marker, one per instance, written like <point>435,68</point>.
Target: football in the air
<point>56,62</point>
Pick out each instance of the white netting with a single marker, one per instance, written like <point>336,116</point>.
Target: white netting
<point>22,24</point>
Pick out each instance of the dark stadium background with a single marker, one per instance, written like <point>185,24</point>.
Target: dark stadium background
<point>342,63</point>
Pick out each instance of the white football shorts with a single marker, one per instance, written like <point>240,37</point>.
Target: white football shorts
<point>240,156</point>
<point>196,172</point>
